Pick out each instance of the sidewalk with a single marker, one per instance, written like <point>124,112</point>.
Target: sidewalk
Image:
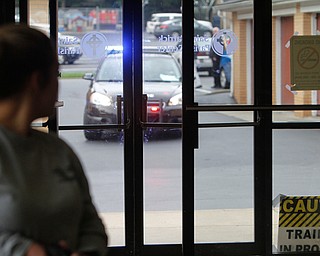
<point>224,97</point>
<point>222,225</point>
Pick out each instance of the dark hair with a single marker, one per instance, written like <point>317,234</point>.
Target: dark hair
<point>23,50</point>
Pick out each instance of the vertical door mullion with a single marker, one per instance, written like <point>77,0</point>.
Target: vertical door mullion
<point>23,11</point>
<point>263,132</point>
<point>128,134</point>
<point>137,129</point>
<point>188,127</point>
<point>7,11</point>
<point>53,7</point>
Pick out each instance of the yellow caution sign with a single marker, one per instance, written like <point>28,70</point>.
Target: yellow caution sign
<point>299,224</point>
<point>305,62</point>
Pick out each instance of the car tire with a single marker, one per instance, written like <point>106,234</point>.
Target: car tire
<point>61,59</point>
<point>92,135</point>
<point>177,134</point>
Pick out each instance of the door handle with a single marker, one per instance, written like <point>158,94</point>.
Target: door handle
<point>144,110</point>
<point>195,118</point>
<point>59,104</point>
<point>119,110</point>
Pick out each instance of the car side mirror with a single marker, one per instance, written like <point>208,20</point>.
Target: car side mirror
<point>88,76</point>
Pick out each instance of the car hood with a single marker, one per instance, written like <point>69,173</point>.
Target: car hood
<point>155,91</point>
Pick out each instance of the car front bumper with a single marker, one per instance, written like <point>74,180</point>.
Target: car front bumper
<point>99,116</point>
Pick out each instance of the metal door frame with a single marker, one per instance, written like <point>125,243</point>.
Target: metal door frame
<point>263,126</point>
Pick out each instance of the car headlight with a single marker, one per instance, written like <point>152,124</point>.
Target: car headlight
<point>100,99</point>
<point>175,100</point>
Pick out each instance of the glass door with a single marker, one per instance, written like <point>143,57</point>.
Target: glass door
<point>126,83</point>
<point>223,183</point>
<point>253,176</point>
<point>187,120</point>
<point>122,113</point>
<point>96,118</point>
<point>295,133</point>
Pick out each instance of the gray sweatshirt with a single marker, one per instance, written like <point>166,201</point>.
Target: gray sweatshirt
<point>44,196</point>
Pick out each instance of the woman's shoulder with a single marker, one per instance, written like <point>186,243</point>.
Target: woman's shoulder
<point>50,138</point>
<point>38,134</point>
<point>51,142</point>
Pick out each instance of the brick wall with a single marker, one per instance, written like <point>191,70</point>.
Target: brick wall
<point>302,24</point>
<point>39,11</point>
<point>274,58</point>
<point>240,66</point>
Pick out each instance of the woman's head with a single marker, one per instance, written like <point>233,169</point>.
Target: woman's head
<point>23,51</point>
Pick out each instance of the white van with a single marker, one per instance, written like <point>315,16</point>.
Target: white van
<point>157,18</point>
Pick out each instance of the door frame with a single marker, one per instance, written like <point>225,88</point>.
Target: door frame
<point>262,244</point>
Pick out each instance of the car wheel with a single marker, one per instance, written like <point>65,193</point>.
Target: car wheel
<point>61,59</point>
<point>92,135</point>
<point>177,134</point>
<point>175,34</point>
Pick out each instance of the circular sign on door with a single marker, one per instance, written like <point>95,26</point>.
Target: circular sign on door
<point>224,42</point>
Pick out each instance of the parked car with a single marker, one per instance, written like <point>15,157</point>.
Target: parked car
<point>202,60</point>
<point>174,28</point>
<point>162,84</point>
<point>69,49</point>
<point>157,18</point>
<point>206,24</point>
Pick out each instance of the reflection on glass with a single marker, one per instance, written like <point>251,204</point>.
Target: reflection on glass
<point>295,173</point>
<point>225,117</point>
<point>227,68</point>
<point>103,165</point>
<point>162,191</point>
<point>224,185</point>
<point>296,116</point>
<point>85,36</point>
<point>284,76</point>
<point>162,84</point>
<point>39,12</point>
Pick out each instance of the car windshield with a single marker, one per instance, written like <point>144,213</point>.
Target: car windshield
<point>157,68</point>
<point>111,69</point>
